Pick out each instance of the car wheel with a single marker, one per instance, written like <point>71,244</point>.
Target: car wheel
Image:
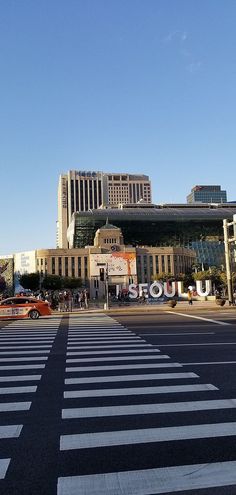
<point>34,314</point>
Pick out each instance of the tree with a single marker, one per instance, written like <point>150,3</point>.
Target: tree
<point>52,282</point>
<point>71,282</point>
<point>30,281</point>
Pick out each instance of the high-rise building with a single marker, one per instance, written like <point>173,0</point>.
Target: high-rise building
<point>207,194</point>
<point>128,188</point>
<point>78,191</point>
<point>84,191</point>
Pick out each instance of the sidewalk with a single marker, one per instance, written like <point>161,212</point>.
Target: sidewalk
<point>182,306</point>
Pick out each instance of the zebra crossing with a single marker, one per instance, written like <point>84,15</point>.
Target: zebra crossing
<point>24,350</point>
<point>107,418</point>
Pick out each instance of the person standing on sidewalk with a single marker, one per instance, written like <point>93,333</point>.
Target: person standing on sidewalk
<point>190,297</point>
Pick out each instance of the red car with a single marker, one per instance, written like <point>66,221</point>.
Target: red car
<point>24,307</point>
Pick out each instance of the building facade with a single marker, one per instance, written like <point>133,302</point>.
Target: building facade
<point>124,264</point>
<point>198,227</point>
<point>128,188</point>
<point>80,191</point>
<point>207,194</point>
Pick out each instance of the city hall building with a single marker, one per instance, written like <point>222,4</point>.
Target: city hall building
<point>194,226</point>
<point>125,264</point>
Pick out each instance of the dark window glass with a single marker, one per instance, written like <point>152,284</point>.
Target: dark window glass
<point>66,266</point>
<point>151,264</point>
<point>81,196</point>
<point>59,267</point>
<point>53,266</point>
<point>90,194</point>
<point>79,266</point>
<point>100,192</point>
<point>77,195</point>
<point>72,196</point>
<point>86,194</point>
<point>95,195</point>
<point>157,264</point>
<point>73,266</point>
<point>86,267</point>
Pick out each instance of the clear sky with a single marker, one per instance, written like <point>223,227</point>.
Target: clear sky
<point>145,86</point>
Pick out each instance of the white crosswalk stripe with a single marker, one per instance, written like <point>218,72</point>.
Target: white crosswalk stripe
<point>96,357</point>
<point>129,378</point>
<point>24,346</point>
<point>173,407</point>
<point>149,481</point>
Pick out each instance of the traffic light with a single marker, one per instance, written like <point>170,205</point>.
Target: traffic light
<point>102,274</point>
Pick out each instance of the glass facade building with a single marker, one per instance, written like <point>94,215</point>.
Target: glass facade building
<point>198,228</point>
<point>207,194</point>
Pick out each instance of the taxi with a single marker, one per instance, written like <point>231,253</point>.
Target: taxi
<point>24,307</point>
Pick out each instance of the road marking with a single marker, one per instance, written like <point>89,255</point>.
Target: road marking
<point>73,394</point>
<point>17,390</point>
<point>148,435</point>
<point>4,463</point>
<point>15,406</point>
<point>197,344</point>
<point>23,367</point>
<point>25,347</point>
<point>116,340</point>
<point>42,351</point>
<point>121,358</point>
<point>10,431</point>
<point>120,351</point>
<point>177,334</point>
<point>20,378</point>
<point>123,367</point>
<point>146,481</point>
<point>138,345</point>
<point>171,407</point>
<point>198,318</point>
<point>130,378</point>
<point>33,358</point>
<point>210,362</point>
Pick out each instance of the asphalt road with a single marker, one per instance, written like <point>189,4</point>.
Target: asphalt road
<point>119,405</point>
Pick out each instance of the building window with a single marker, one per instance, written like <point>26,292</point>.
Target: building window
<point>163,263</point>
<point>81,196</point>
<point>72,266</point>
<point>86,267</point>
<point>72,196</point>
<point>53,266</point>
<point>169,264</point>
<point>157,264</point>
<point>151,265</point>
<point>66,266</point>
<point>59,267</point>
<point>79,266</point>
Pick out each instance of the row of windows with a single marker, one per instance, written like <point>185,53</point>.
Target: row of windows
<point>69,265</point>
<point>85,194</point>
<point>110,241</point>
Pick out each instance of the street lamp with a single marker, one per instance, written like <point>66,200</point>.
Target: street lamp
<point>227,242</point>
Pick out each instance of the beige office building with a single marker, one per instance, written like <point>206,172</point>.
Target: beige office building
<point>126,264</point>
<point>83,191</point>
<point>128,188</point>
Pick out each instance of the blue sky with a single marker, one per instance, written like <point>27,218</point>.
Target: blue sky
<point>113,85</point>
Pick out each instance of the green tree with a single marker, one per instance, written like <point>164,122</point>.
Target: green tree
<point>71,282</point>
<point>52,282</point>
<point>30,281</point>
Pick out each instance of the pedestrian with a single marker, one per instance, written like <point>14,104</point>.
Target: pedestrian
<point>190,297</point>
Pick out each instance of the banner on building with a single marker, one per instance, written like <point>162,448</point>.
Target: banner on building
<point>6,275</point>
<point>23,263</point>
<point>118,263</point>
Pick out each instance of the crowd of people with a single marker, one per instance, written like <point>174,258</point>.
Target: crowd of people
<point>65,300</point>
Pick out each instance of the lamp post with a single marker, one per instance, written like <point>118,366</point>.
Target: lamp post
<point>227,242</point>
